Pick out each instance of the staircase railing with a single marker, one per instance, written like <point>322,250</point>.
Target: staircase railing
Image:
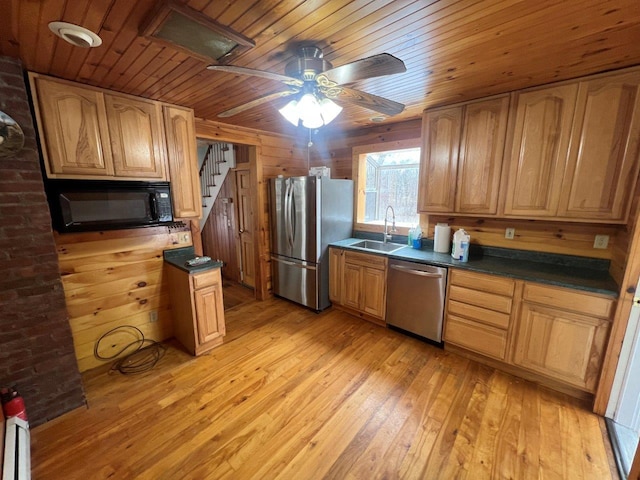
<point>211,168</point>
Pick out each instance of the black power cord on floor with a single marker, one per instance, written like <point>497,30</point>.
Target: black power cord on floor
<point>146,355</point>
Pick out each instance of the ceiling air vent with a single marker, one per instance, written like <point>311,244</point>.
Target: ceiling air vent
<point>193,32</point>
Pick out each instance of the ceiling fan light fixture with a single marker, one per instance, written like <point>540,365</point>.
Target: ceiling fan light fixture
<point>290,112</point>
<point>313,113</point>
<point>329,110</point>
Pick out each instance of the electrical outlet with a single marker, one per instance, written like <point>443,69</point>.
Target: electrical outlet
<point>601,241</point>
<point>509,233</point>
<point>153,316</point>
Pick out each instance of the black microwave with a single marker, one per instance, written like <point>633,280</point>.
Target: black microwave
<point>92,205</point>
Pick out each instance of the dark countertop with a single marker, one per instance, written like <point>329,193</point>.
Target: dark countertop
<point>563,271</point>
<point>178,257</point>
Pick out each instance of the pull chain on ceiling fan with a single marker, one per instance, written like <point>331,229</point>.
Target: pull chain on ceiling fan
<point>320,87</point>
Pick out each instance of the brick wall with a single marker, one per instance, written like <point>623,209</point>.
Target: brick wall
<point>36,347</point>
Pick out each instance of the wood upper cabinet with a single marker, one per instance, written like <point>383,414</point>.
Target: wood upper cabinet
<point>73,129</point>
<point>480,158</point>
<point>462,155</point>
<point>439,159</point>
<point>540,136</point>
<point>183,162</point>
<point>137,137</point>
<point>603,162</point>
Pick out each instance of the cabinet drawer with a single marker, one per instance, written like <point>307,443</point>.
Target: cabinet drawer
<point>569,300</point>
<point>206,279</point>
<point>480,299</point>
<point>482,281</point>
<point>372,261</point>
<point>483,315</point>
<point>476,336</point>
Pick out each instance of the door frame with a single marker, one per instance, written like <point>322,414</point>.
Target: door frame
<point>225,133</point>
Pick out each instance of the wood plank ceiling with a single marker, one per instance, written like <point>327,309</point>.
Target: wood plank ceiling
<point>453,50</point>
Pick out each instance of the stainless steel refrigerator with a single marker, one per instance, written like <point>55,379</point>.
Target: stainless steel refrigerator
<point>307,213</point>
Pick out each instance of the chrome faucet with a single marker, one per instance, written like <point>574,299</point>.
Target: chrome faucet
<point>387,235</point>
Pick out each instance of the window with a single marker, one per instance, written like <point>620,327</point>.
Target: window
<point>387,177</point>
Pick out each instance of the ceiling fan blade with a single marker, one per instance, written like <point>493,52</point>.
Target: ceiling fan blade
<point>257,73</point>
<point>369,101</point>
<point>254,103</point>
<point>375,66</point>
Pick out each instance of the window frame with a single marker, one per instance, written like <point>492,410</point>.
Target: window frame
<point>359,154</point>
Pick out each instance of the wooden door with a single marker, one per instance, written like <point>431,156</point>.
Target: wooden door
<point>603,158</point>
<point>336,257</point>
<point>481,151</point>
<point>73,129</point>
<point>137,140</point>
<point>538,154</point>
<point>561,345</point>
<point>183,162</point>
<point>439,159</point>
<point>245,227</point>
<point>209,313</point>
<point>374,292</point>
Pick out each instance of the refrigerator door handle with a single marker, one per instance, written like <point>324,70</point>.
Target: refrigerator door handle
<point>292,215</point>
<point>293,264</point>
<point>287,213</point>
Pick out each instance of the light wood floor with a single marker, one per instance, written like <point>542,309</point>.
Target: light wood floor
<point>295,395</point>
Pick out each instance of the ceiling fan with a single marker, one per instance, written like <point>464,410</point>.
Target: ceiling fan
<point>318,84</point>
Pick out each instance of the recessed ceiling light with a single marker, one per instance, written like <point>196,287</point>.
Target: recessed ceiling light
<point>75,35</point>
<point>378,119</point>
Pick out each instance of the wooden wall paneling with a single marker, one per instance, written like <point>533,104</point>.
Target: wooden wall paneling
<point>335,150</point>
<point>111,279</point>
<point>623,308</point>
<point>621,249</point>
<point>540,236</point>
<point>9,29</point>
<point>219,235</point>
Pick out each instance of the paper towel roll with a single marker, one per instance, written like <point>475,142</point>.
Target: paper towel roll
<point>442,238</point>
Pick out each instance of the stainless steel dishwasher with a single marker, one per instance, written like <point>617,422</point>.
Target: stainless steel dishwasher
<point>415,298</point>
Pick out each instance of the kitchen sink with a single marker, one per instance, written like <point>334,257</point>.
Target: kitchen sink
<point>378,246</point>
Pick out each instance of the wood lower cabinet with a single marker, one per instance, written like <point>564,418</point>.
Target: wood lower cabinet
<point>197,307</point>
<point>478,312</point>
<point>358,283</point>
<point>336,261</point>
<point>548,334</point>
<point>562,334</point>
<point>183,162</point>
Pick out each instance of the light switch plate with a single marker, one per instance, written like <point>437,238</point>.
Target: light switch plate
<point>601,241</point>
<point>509,233</point>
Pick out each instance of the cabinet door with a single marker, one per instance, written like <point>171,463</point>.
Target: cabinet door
<point>75,136</point>
<point>335,275</point>
<point>538,154</point>
<point>439,159</point>
<point>351,285</point>
<point>137,142</point>
<point>374,292</point>
<point>183,162</point>
<point>481,152</point>
<point>603,158</point>
<point>209,313</point>
<point>566,346</point>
